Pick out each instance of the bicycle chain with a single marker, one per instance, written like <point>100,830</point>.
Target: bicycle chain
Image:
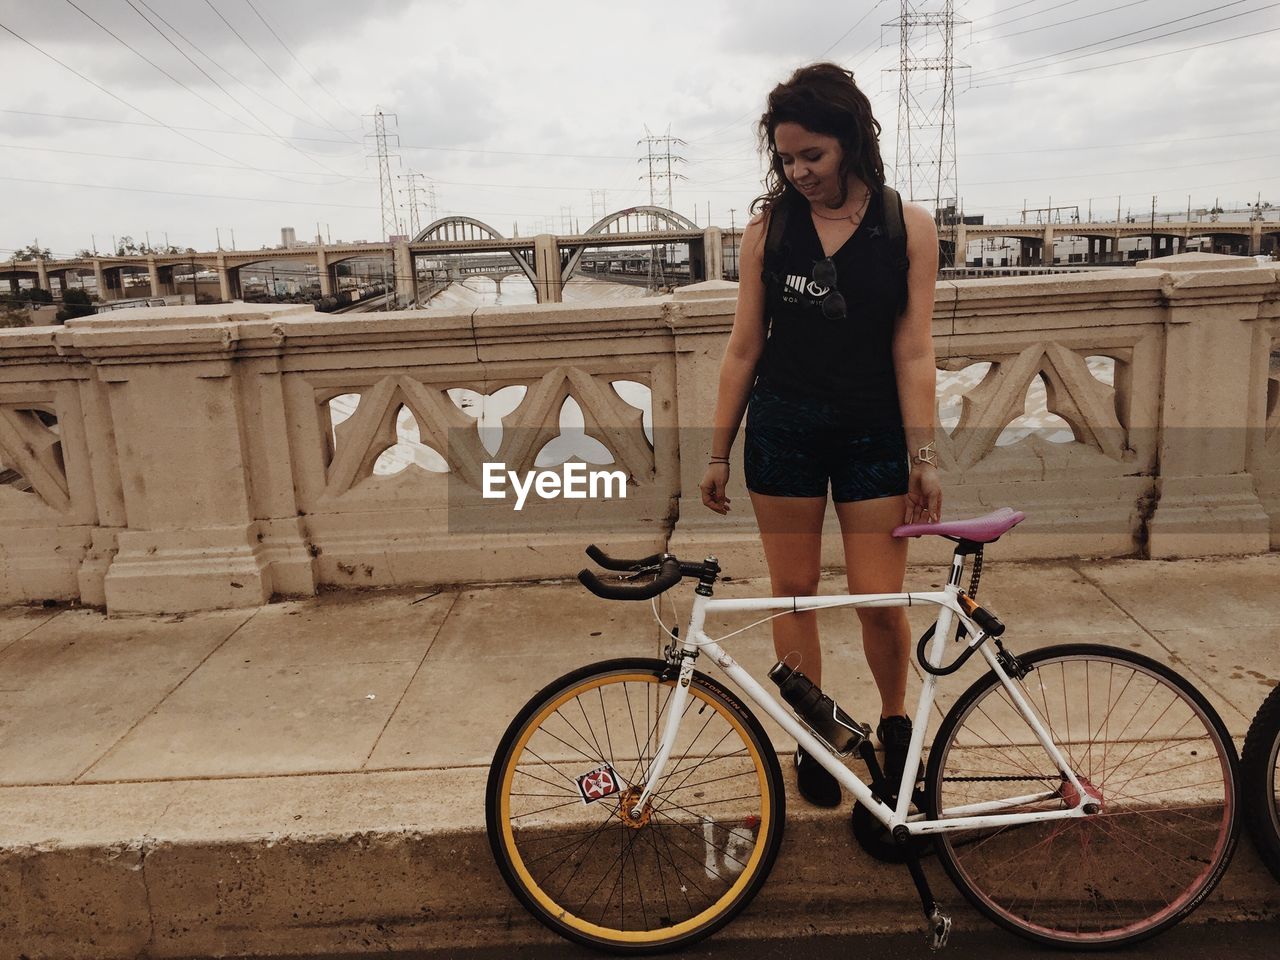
<point>994,779</point>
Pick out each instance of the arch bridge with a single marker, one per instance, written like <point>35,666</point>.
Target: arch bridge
<point>550,261</point>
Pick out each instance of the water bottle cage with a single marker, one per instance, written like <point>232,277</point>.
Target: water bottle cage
<point>859,734</point>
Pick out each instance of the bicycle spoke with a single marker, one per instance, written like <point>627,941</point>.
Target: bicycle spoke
<point>608,865</point>
<point>1138,739</point>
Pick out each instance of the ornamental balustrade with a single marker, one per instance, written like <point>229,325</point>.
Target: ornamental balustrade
<point>183,458</point>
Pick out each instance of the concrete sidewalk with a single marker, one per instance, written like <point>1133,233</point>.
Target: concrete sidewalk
<point>308,777</point>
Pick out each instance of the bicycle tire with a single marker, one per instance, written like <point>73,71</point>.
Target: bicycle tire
<point>1158,759</point>
<point>1260,781</point>
<point>702,855</point>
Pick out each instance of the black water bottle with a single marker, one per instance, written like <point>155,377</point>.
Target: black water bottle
<point>822,714</point>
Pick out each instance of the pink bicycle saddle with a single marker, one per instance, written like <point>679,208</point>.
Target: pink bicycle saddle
<point>982,529</point>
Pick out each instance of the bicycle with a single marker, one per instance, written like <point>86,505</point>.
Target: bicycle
<point>1077,795</point>
<point>1260,781</point>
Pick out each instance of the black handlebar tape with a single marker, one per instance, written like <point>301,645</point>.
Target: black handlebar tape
<point>609,563</point>
<point>668,577</point>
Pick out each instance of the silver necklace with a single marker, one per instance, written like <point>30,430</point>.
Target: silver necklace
<point>847,216</point>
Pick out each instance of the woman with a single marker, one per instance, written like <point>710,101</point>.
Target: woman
<point>832,355</point>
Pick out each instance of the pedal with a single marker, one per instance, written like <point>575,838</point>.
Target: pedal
<point>939,929</point>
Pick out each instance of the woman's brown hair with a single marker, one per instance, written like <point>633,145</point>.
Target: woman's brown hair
<point>822,98</point>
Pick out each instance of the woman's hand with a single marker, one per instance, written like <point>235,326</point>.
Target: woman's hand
<point>714,483</point>
<point>924,495</point>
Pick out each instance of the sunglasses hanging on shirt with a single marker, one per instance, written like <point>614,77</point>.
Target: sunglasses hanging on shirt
<point>833,305</point>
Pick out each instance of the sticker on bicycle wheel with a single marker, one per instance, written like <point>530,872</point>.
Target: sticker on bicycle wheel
<point>601,782</point>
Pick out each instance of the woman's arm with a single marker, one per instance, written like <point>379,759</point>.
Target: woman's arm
<point>746,341</point>
<point>738,368</point>
<point>914,362</point>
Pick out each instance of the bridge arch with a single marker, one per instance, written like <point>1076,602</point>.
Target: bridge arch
<point>631,220</point>
<point>668,220</point>
<point>458,228</point>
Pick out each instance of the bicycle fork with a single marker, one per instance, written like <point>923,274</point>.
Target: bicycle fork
<point>675,713</point>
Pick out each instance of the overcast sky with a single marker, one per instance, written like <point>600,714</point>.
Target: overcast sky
<point>518,111</point>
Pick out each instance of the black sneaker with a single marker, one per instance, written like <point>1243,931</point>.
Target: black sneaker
<point>894,734</point>
<point>816,785</point>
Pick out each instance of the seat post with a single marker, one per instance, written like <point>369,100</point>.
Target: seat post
<point>957,566</point>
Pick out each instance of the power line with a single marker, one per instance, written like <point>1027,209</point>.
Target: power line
<point>630,158</point>
<point>1059,23</point>
<point>214,62</point>
<point>1118,63</point>
<point>261,123</point>
<point>176,193</point>
<point>180,163</point>
<point>857,23</point>
<point>289,50</point>
<point>137,53</point>
<point>993,13</point>
<point>743,116</point>
<point>1120,173</point>
<point>155,120</point>
<point>1025,16</point>
<point>1014,67</point>
<point>262,60</point>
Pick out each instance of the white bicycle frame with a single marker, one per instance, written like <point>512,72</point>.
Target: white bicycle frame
<point>969,817</point>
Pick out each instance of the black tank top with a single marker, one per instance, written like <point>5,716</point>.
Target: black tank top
<point>848,362</point>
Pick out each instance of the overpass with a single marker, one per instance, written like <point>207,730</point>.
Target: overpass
<point>547,260</point>
<point>1170,237</point>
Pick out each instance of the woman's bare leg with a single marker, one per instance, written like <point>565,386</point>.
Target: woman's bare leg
<point>876,562</point>
<point>791,531</point>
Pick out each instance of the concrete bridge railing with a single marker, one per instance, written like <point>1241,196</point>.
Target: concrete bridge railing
<point>185,458</point>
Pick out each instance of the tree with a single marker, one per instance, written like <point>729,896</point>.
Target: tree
<point>13,314</point>
<point>75,303</point>
<point>31,252</point>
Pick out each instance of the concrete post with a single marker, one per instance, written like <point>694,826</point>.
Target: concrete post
<point>713,253</point>
<point>14,288</point>
<point>958,259</point>
<point>154,271</point>
<point>42,275</point>
<point>100,278</point>
<point>175,409</point>
<point>546,259</point>
<point>1046,251</point>
<point>1207,501</point>
<point>406,276</point>
<point>1255,238</point>
<point>224,281</point>
<point>322,263</point>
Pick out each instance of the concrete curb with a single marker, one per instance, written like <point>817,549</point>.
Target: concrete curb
<point>188,889</point>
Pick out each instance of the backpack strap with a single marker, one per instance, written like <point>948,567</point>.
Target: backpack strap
<point>896,231</point>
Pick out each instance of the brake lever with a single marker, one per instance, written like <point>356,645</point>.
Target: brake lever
<point>653,568</point>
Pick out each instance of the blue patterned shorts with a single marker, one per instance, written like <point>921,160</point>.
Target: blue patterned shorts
<point>795,445</point>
